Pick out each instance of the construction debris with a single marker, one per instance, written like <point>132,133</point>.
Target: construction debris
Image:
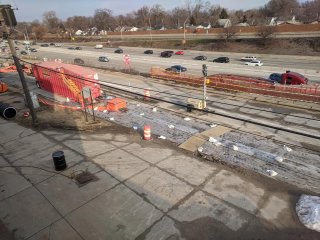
<point>308,211</point>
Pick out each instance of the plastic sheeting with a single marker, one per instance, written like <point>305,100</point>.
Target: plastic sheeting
<point>308,210</point>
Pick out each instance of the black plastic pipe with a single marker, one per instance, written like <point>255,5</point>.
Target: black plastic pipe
<point>6,111</point>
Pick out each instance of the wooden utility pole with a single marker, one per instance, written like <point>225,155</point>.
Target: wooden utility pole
<point>8,22</point>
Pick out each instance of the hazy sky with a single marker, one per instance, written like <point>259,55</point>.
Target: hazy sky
<point>29,10</point>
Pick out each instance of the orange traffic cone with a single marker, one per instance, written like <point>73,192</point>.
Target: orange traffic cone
<point>147,132</point>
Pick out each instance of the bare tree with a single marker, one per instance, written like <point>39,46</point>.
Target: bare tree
<point>104,20</point>
<point>51,21</point>
<point>142,16</point>
<point>39,31</point>
<point>281,8</point>
<point>229,33</point>
<point>265,33</point>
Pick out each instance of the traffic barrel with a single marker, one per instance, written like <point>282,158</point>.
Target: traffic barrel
<point>147,132</point>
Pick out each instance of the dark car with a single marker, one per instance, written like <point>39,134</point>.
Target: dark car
<point>148,52</point>
<point>177,68</point>
<point>23,53</point>
<point>103,59</point>
<point>221,60</point>
<point>71,48</point>
<point>201,57</point>
<point>33,50</point>
<point>44,45</point>
<point>52,44</point>
<point>78,48</point>
<point>119,50</point>
<point>276,77</point>
<point>78,61</point>
<point>166,54</point>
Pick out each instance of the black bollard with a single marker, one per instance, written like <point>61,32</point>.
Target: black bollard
<point>189,107</point>
<point>59,160</point>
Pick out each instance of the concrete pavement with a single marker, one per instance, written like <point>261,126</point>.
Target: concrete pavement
<point>143,190</point>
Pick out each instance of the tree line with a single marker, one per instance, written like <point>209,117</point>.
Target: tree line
<point>193,12</point>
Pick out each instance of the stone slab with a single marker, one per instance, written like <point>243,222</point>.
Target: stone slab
<point>57,231</point>
<point>10,131</point>
<point>149,154</point>
<point>164,229</point>
<point>26,213</point>
<point>215,131</point>
<point>201,206</point>
<point>65,195</point>
<point>89,148</point>
<point>193,143</point>
<point>39,165</point>
<point>233,189</point>
<point>117,214</point>
<point>191,170</point>
<point>11,182</point>
<point>160,188</point>
<point>120,164</point>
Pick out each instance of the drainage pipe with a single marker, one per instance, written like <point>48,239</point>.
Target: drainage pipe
<point>6,111</point>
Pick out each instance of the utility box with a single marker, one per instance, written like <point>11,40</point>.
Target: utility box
<point>197,103</point>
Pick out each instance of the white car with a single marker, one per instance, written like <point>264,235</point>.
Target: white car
<point>248,58</point>
<point>254,63</point>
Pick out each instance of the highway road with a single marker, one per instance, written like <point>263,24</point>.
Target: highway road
<point>306,65</point>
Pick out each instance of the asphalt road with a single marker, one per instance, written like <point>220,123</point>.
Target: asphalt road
<point>306,65</point>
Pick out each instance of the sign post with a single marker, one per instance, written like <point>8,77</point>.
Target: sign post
<point>205,74</point>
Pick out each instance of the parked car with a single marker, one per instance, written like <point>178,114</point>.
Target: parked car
<point>78,61</point>
<point>33,50</point>
<point>44,45</point>
<point>179,52</point>
<point>276,77</point>
<point>177,68</point>
<point>78,48</point>
<point>248,58</point>
<point>221,60</point>
<point>293,78</point>
<point>103,59</point>
<point>254,63</point>
<point>119,50</point>
<point>165,54</point>
<point>23,53</point>
<point>201,58</point>
<point>148,51</point>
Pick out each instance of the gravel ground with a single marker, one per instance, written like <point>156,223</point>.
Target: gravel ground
<point>249,152</point>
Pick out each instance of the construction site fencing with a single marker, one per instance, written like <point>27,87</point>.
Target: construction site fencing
<point>244,84</point>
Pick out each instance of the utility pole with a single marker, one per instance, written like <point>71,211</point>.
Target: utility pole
<point>8,21</point>
<point>205,74</point>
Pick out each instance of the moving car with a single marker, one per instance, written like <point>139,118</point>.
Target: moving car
<point>276,77</point>
<point>33,50</point>
<point>148,51</point>
<point>293,78</point>
<point>179,52</point>
<point>98,46</point>
<point>23,53</point>
<point>51,44</point>
<point>119,50</point>
<point>221,60</point>
<point>177,68</point>
<point>166,54</point>
<point>254,63</point>
<point>44,45</point>
<point>201,58</point>
<point>78,48</point>
<point>248,58</point>
<point>71,48</point>
<point>58,44</point>
<point>78,61</point>
<point>103,59</point>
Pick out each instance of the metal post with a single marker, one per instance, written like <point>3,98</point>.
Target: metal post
<point>94,117</point>
<point>205,74</point>
<point>85,107</point>
<point>6,34</point>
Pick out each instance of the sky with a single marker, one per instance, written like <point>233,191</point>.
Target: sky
<point>29,10</point>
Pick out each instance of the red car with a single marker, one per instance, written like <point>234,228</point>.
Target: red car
<point>179,53</point>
